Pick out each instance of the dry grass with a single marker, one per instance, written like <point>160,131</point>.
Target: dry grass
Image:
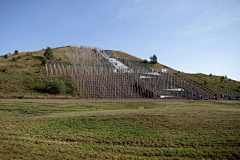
<point>121,54</point>
<point>25,77</point>
<point>29,63</point>
<point>94,130</point>
<point>227,86</point>
<point>157,66</point>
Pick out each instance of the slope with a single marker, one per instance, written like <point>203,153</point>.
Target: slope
<point>24,76</point>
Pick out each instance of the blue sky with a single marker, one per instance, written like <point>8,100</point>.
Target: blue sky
<point>193,36</point>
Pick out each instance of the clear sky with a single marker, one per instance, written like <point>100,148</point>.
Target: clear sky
<point>193,36</point>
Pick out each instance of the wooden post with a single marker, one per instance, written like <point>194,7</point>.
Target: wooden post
<point>46,69</point>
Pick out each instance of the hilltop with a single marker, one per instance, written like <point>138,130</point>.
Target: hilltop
<point>24,76</point>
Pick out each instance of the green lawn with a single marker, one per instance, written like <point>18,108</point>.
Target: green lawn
<point>33,130</point>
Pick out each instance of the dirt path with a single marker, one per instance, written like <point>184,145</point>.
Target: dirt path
<point>157,101</point>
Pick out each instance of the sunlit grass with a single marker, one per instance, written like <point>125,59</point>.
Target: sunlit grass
<point>119,130</point>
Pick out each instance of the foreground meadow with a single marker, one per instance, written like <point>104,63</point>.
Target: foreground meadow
<point>114,130</point>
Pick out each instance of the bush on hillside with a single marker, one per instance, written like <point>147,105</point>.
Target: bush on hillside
<point>48,53</point>
<point>54,86</point>
<point>70,87</point>
<point>205,82</point>
<point>14,59</point>
<point>145,61</point>
<point>16,52</point>
<point>222,79</point>
<point>44,61</point>
<point>5,69</point>
<point>6,56</point>
<point>153,59</point>
<point>19,57</point>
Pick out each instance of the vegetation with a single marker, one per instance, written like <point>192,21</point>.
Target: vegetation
<point>44,61</point>
<point>153,59</point>
<point>14,59</point>
<point>26,77</point>
<point>16,52</point>
<point>54,86</point>
<point>145,61</point>
<point>31,130</point>
<point>6,56</point>
<point>222,79</point>
<point>218,84</point>
<point>5,69</point>
<point>48,53</point>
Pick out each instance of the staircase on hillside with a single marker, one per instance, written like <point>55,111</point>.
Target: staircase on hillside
<point>163,85</point>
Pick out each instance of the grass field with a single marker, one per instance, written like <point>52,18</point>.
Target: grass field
<point>112,130</point>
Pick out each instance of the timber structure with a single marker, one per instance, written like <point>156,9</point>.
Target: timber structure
<point>100,74</point>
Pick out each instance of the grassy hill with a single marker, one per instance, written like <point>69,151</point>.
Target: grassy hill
<point>24,76</point>
<point>218,84</point>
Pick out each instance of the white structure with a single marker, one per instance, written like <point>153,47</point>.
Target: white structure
<point>120,67</point>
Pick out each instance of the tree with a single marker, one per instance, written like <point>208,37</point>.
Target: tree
<point>6,56</point>
<point>145,61</point>
<point>222,79</point>
<point>48,53</point>
<point>153,59</point>
<point>44,61</point>
<point>16,52</point>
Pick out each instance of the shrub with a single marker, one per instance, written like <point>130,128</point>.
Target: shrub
<point>153,59</point>
<point>5,69</point>
<point>145,61</point>
<point>44,61</point>
<point>54,86</point>
<point>222,79</point>
<point>210,74</point>
<point>16,52</point>
<point>14,59</point>
<point>6,56</point>
<point>19,57</point>
<point>48,53</point>
<point>71,88</point>
<point>205,82</point>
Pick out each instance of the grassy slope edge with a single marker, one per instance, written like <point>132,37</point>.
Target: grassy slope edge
<point>26,77</point>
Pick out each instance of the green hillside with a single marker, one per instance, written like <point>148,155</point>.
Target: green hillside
<point>24,76</point>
